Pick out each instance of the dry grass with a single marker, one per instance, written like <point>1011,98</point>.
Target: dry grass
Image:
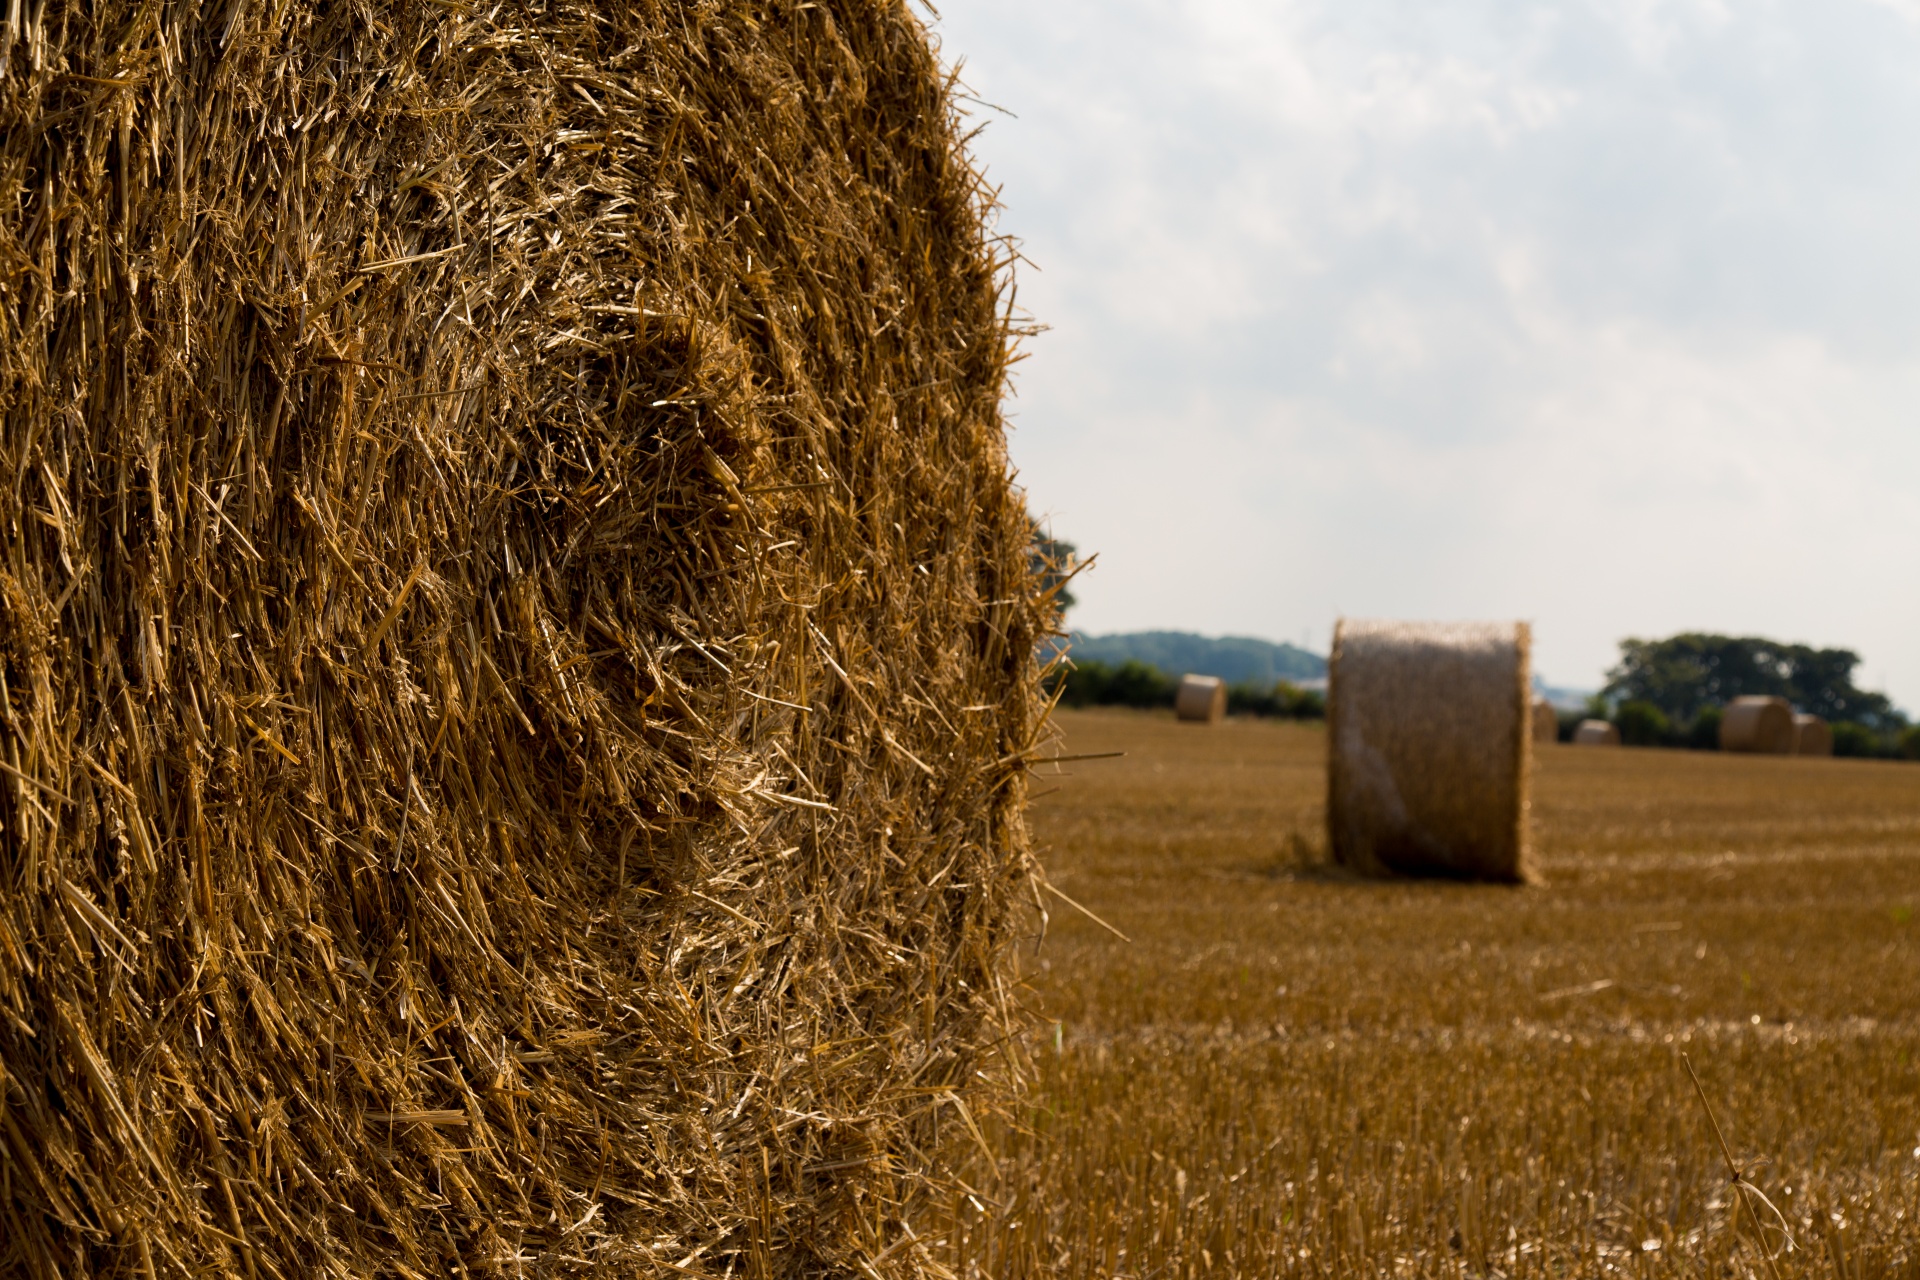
<point>1290,1072</point>
<point>516,639</point>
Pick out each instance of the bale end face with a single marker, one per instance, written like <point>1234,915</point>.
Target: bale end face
<point>1757,725</point>
<point>454,769</point>
<point>1201,698</point>
<point>1430,735</point>
<point>1546,723</point>
<point>1811,736</point>
<point>1596,733</point>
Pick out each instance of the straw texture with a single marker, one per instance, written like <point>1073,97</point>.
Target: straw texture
<point>1202,698</point>
<point>1546,722</point>
<point>1811,736</point>
<point>516,640</point>
<point>1430,748</point>
<point>1758,724</point>
<point>1596,733</point>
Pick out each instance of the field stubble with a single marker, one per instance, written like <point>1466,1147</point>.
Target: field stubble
<point>1289,1071</point>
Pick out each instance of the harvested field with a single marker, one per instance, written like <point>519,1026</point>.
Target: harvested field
<point>1294,1072</point>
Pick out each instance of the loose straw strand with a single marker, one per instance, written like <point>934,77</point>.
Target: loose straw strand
<point>1737,1180</point>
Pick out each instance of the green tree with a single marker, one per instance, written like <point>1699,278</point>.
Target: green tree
<point>1851,739</point>
<point>1254,698</point>
<point>1642,724</point>
<point>1688,673</point>
<point>1098,684</point>
<point>1704,733</point>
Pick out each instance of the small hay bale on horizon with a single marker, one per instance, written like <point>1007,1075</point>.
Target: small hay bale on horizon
<point>1596,733</point>
<point>1757,724</point>
<point>1812,736</point>
<point>1429,748</point>
<point>1201,698</point>
<point>1546,722</point>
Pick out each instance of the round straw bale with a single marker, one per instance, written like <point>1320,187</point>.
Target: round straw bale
<point>516,642</point>
<point>1546,722</point>
<point>1202,698</point>
<point>1596,733</point>
<point>1757,724</point>
<point>1430,748</point>
<point>1811,736</point>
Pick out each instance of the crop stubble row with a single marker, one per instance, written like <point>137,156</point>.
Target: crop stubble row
<point>1293,1072</point>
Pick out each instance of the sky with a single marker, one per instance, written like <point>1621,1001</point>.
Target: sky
<point>1604,314</point>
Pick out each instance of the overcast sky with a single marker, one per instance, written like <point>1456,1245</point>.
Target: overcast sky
<point>1603,313</point>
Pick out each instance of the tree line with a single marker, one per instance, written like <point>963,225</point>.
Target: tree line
<point>1136,684</point>
<point>1670,693</point>
<point>1666,693</point>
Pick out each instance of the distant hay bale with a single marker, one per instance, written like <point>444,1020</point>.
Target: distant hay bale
<point>1811,736</point>
<point>1202,698</point>
<point>1429,747</point>
<point>1757,724</point>
<point>1596,733</point>
<point>516,640</point>
<point>1546,722</point>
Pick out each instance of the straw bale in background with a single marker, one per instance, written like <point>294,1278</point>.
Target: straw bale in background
<point>1201,698</point>
<point>1430,748</point>
<point>516,644</point>
<point>1596,733</point>
<point>1546,722</point>
<point>1757,724</point>
<point>1811,736</point>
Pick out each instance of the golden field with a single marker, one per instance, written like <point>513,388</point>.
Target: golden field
<point>1289,1071</point>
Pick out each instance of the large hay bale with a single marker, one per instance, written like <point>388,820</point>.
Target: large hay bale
<point>1757,724</point>
<point>1811,736</point>
<point>1546,722</point>
<point>1596,733</point>
<point>1202,698</point>
<point>1429,745</point>
<point>516,643</point>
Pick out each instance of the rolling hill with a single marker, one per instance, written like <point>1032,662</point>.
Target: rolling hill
<point>1232,658</point>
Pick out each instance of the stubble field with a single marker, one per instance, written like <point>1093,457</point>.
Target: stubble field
<point>1288,1071</point>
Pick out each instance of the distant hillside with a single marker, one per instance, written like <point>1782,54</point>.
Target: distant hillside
<point>1232,658</point>
<point>1563,698</point>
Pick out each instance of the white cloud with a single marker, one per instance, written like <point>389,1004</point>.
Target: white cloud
<point>1907,9</point>
<point>1605,314</point>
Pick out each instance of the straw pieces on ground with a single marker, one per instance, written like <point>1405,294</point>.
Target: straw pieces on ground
<point>516,641</point>
<point>1430,748</point>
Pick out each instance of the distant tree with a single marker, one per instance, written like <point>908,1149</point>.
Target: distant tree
<point>1850,739</point>
<point>1282,699</point>
<point>1054,561</point>
<point>1688,673</point>
<point>1642,724</point>
<point>1704,733</point>
<point>1092,683</point>
<point>1098,684</point>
